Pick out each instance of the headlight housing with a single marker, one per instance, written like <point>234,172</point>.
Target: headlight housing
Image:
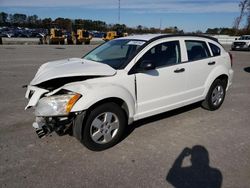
<point>56,105</point>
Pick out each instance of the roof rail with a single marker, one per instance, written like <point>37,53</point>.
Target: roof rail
<point>186,35</point>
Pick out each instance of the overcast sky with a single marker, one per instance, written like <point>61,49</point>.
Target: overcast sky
<point>189,15</point>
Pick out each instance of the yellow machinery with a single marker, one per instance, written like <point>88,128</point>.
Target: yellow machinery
<point>110,35</point>
<point>82,36</point>
<point>56,36</point>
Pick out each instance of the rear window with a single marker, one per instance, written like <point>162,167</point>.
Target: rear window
<point>197,50</point>
<point>215,49</point>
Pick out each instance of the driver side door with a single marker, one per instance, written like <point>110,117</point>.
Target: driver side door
<point>162,88</point>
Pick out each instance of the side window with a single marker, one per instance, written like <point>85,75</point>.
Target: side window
<point>197,50</point>
<point>215,49</point>
<point>164,54</point>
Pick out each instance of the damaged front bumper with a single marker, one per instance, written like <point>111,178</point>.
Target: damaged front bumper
<point>52,110</point>
<point>46,125</point>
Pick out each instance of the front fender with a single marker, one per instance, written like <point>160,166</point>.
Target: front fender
<point>94,93</point>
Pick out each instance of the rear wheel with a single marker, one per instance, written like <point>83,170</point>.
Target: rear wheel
<point>104,127</point>
<point>215,96</point>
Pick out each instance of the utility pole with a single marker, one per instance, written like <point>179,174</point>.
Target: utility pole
<point>160,25</point>
<point>119,8</point>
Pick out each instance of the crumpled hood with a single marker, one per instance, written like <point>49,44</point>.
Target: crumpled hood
<point>71,68</point>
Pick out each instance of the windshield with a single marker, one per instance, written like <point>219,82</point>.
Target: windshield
<point>115,52</point>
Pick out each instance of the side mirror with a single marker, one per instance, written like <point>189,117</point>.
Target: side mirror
<point>147,65</point>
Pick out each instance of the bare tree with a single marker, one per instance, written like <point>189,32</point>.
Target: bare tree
<point>248,16</point>
<point>244,5</point>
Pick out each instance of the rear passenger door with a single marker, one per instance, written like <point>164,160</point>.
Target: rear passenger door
<point>201,64</point>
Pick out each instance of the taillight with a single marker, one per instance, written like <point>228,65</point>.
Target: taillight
<point>231,58</point>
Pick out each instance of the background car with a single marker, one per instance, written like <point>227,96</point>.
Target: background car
<point>243,43</point>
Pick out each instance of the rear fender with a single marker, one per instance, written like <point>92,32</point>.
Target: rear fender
<point>218,71</point>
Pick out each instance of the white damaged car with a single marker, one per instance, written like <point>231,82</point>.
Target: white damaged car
<point>125,80</point>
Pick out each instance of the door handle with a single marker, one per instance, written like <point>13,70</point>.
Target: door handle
<point>179,70</point>
<point>211,63</point>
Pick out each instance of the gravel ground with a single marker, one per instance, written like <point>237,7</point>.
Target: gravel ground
<point>144,158</point>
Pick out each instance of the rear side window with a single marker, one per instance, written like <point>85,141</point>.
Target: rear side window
<point>197,50</point>
<point>215,49</point>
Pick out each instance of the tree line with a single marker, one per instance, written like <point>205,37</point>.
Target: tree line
<point>227,31</point>
<point>33,21</point>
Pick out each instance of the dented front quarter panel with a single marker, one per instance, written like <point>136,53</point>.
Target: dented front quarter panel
<point>98,89</point>
<point>36,95</point>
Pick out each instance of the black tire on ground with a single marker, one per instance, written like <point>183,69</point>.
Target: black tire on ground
<point>78,42</point>
<point>209,103</point>
<point>70,41</point>
<point>87,42</point>
<point>82,127</point>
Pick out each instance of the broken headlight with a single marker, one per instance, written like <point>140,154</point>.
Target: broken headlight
<point>56,105</point>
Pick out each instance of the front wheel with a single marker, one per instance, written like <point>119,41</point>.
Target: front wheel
<point>104,127</point>
<point>215,96</point>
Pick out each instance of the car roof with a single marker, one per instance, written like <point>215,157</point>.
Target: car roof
<point>148,37</point>
<point>145,37</point>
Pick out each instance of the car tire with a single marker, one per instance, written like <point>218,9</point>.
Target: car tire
<point>103,127</point>
<point>215,96</point>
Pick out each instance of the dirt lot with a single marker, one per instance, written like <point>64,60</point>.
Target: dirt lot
<point>143,159</point>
